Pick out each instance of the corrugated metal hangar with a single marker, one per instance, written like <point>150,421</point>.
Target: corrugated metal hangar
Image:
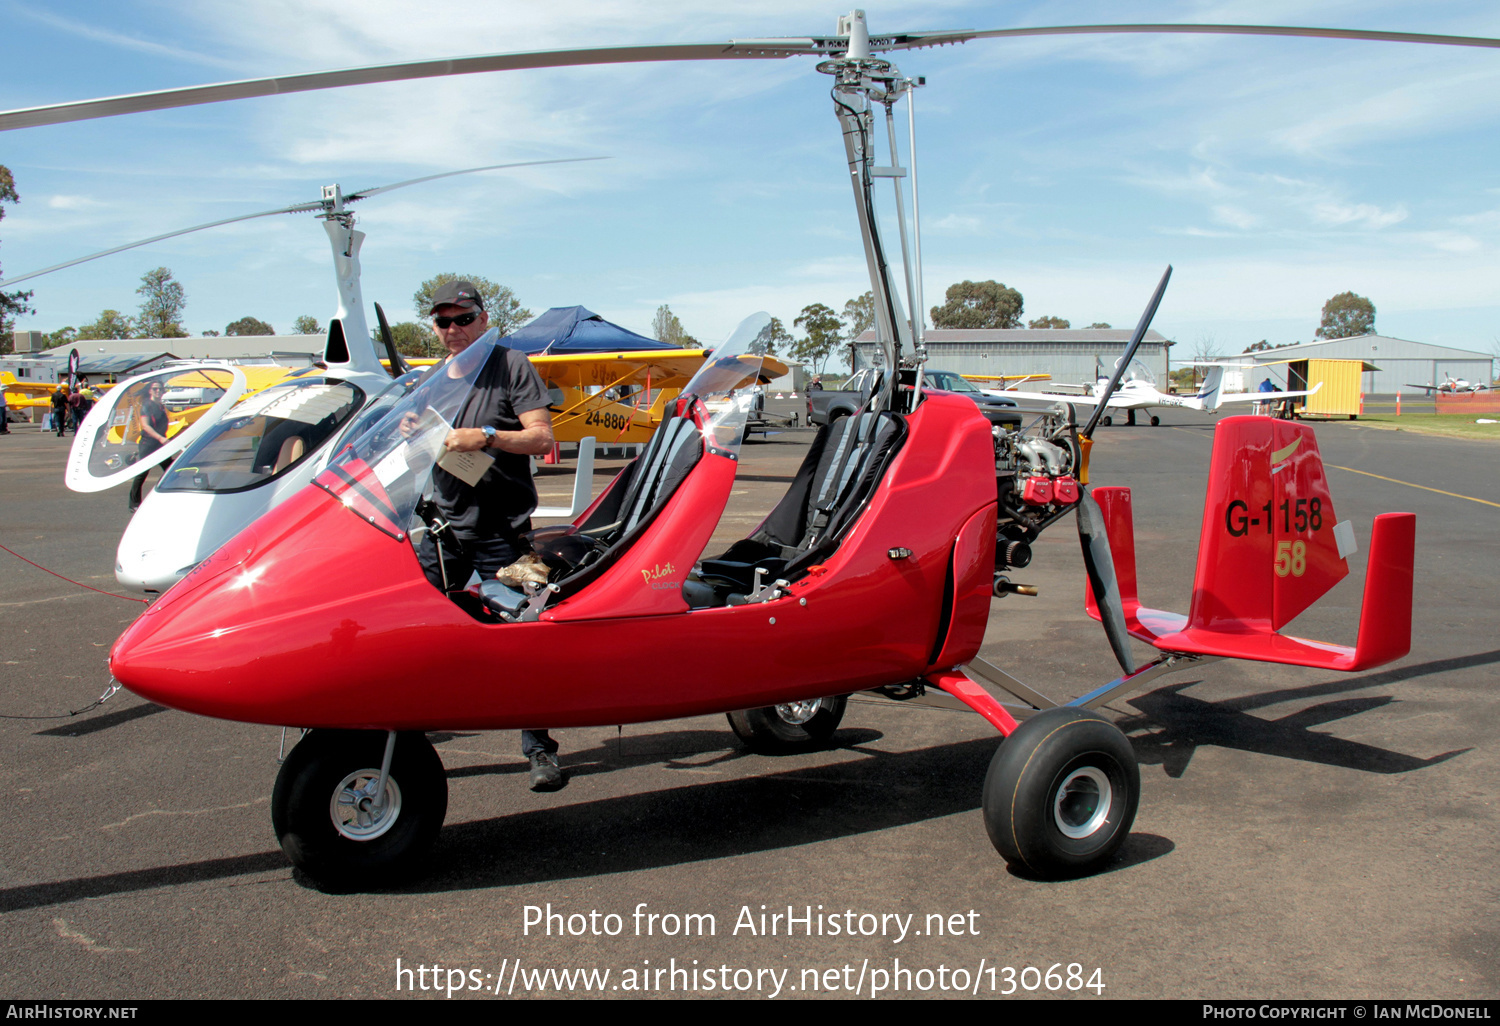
<point>1071,355</point>
<point>1402,362</point>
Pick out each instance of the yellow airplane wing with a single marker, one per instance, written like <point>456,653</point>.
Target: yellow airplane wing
<point>619,398</point>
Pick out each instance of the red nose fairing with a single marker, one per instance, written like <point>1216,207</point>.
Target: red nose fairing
<point>319,614</point>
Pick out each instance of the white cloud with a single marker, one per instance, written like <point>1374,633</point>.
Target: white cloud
<point>1364,214</point>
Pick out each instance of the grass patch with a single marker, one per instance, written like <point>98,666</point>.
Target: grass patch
<point>1452,425</point>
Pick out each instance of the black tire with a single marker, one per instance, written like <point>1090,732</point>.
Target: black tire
<point>321,834</point>
<point>791,727</point>
<point>1108,421</point>
<point>1061,793</point>
<point>1155,421</point>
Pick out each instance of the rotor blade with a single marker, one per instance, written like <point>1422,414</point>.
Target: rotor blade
<point>163,99</point>
<point>398,365</point>
<point>1366,35</point>
<point>297,208</point>
<point>1100,564</point>
<point>367,193</point>
<point>1135,343</point>
<point>735,49</point>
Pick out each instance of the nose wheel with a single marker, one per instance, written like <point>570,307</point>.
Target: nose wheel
<point>339,826</point>
<point>1061,793</point>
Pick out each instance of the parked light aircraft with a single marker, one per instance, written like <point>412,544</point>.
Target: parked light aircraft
<point>319,615</point>
<point>1452,385</point>
<point>1138,391</point>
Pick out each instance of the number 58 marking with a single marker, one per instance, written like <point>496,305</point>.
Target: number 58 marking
<point>1291,558</point>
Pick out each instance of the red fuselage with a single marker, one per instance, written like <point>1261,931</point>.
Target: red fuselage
<point>312,617</point>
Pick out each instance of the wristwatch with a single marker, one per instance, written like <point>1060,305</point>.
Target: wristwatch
<point>489,435</point>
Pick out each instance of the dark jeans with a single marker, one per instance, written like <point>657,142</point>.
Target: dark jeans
<point>461,558</point>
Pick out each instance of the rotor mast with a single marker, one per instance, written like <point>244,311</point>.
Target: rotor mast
<point>860,83</point>
<point>357,352</point>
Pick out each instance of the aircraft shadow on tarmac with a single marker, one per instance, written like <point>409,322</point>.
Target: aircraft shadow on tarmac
<point>1187,723</point>
<point>804,805</point>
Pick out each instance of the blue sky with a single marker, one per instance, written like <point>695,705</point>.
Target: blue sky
<point>1273,173</point>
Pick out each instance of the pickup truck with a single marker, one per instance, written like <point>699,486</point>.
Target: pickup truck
<point>828,405</point>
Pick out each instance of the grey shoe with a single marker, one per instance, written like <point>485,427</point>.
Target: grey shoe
<point>546,774</point>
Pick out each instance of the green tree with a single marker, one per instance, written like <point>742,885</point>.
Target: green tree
<point>248,326</point>
<point>210,333</point>
<point>979,304</point>
<point>665,327</point>
<point>162,305</point>
<point>12,304</point>
<point>306,325</point>
<point>506,312</point>
<point>1048,322</point>
<point>1258,347</point>
<point>1099,324</point>
<point>823,331</point>
<point>859,315</point>
<point>111,324</point>
<point>1347,315</point>
<point>62,337</point>
<point>775,334</point>
<point>411,338</point>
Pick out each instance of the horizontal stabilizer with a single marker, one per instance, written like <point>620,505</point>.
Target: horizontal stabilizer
<point>1236,612</point>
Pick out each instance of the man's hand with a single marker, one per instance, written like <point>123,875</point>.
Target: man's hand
<point>465,440</point>
<point>409,424</point>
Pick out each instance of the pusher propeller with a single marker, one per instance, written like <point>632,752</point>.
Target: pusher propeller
<point>1092,535</point>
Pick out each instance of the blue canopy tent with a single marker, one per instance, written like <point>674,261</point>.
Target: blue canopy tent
<point>566,330</point>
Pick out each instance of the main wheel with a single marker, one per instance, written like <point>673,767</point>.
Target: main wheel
<point>1061,793</point>
<point>1155,420</point>
<point>334,826</point>
<point>789,726</point>
<point>1108,421</point>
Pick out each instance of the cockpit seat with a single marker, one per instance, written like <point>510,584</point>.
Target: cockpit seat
<point>836,479</point>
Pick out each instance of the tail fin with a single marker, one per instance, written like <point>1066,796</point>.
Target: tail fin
<point>1269,546</point>
<point>1213,383</point>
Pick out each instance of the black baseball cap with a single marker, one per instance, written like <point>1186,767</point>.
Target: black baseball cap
<point>457,293</point>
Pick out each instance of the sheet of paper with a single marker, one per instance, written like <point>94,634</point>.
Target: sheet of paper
<point>468,467</point>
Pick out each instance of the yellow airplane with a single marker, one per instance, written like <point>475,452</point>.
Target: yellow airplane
<point>616,398</point>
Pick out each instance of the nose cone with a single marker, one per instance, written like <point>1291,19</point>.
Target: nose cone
<point>287,623</point>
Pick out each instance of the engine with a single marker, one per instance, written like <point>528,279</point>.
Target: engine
<point>1036,479</point>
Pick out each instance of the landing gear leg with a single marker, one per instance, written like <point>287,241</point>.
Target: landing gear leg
<point>1130,418</point>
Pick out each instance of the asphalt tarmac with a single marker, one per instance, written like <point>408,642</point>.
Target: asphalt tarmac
<point>1301,834</point>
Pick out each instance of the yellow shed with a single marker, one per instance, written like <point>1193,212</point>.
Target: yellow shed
<point>1342,394</point>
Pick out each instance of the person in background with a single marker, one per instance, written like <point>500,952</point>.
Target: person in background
<point>152,421</point>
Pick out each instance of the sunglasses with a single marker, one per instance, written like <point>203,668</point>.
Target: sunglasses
<point>462,320</point>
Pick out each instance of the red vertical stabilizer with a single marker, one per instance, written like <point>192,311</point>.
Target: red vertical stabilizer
<point>1269,550</point>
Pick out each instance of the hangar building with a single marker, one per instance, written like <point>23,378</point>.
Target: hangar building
<point>1071,355</point>
<point>1402,363</point>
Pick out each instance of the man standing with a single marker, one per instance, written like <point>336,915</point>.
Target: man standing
<point>152,422</point>
<point>60,409</point>
<point>505,417</point>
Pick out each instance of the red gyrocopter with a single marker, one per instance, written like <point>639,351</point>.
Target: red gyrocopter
<point>874,572</point>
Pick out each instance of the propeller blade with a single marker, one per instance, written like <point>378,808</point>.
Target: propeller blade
<point>1141,328</point>
<point>734,49</point>
<point>367,193</point>
<point>1094,539</point>
<point>398,365</point>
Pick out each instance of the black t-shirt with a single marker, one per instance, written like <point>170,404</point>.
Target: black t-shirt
<point>155,415</point>
<point>507,387</point>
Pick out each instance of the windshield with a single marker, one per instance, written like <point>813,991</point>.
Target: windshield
<point>1137,371</point>
<point>387,468</point>
<point>264,436</point>
<point>951,382</point>
<point>726,382</point>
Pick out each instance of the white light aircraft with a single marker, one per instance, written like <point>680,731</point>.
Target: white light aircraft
<point>1138,391</point>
